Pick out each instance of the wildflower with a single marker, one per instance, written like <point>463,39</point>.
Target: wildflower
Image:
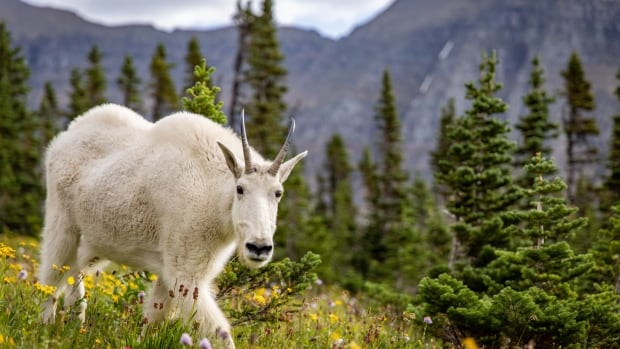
<point>205,344</point>
<point>153,277</point>
<point>314,317</point>
<point>354,345</point>
<point>335,336</point>
<point>45,289</point>
<point>333,318</point>
<point>141,296</point>
<point>6,251</point>
<point>469,343</point>
<point>223,335</point>
<point>427,320</point>
<point>186,339</point>
<point>319,282</point>
<point>70,281</point>
<point>406,337</point>
<point>22,275</point>
<point>82,330</point>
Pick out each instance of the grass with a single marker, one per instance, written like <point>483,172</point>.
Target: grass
<point>327,317</point>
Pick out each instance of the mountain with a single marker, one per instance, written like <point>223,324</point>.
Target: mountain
<point>432,48</point>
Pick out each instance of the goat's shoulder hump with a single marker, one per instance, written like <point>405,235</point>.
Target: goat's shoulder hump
<point>110,116</point>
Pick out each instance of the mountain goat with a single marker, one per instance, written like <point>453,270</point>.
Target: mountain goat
<point>171,197</point>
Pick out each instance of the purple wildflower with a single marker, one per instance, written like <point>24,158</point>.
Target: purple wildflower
<point>186,339</point>
<point>205,344</point>
<point>22,275</point>
<point>141,296</point>
<point>427,320</point>
<point>223,335</point>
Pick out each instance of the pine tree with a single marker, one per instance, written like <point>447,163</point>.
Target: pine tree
<point>243,21</point>
<point>49,115</point>
<point>534,293</point>
<point>163,92</point>
<point>391,231</point>
<point>611,195</point>
<point>578,127</point>
<point>21,191</point>
<point>371,236</point>
<point>439,155</point>
<point>265,75</point>
<point>129,83</point>
<point>202,95</point>
<point>535,127</point>
<point>338,206</point>
<point>78,102</point>
<point>477,171</point>
<point>193,58</point>
<point>95,79</point>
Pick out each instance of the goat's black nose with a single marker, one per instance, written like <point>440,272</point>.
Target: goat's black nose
<point>259,250</point>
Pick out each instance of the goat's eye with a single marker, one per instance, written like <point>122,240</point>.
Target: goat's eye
<point>239,190</point>
<point>278,193</point>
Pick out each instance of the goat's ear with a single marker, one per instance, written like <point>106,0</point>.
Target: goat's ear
<point>231,160</point>
<point>287,167</point>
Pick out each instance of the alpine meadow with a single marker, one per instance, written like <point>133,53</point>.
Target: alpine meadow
<point>461,187</point>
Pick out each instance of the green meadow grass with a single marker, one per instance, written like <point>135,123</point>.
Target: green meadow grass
<point>326,317</point>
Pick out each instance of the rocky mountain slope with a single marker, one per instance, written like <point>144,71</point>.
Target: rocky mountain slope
<point>430,47</point>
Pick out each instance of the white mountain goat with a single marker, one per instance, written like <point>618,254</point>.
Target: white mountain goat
<point>171,197</point>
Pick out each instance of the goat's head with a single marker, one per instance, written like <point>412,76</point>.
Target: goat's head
<point>258,189</point>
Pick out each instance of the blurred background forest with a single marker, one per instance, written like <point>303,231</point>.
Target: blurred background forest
<point>464,155</point>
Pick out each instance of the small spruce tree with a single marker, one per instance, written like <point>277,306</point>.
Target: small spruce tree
<point>129,83</point>
<point>579,128</point>
<point>163,92</point>
<point>78,102</point>
<point>95,79</point>
<point>202,95</point>
<point>536,129</point>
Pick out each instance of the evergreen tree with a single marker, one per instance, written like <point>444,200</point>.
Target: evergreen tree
<point>265,75</point>
<point>243,21</point>
<point>163,92</point>
<point>129,83</point>
<point>611,195</point>
<point>338,206</point>
<point>439,155</point>
<point>579,128</point>
<point>371,236</point>
<point>532,294</point>
<point>477,171</point>
<point>78,102</point>
<point>202,95</point>
<point>391,231</point>
<point>21,191</point>
<point>95,79</point>
<point>49,115</point>
<point>193,58</point>
<point>535,127</point>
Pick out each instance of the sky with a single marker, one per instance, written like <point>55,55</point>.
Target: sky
<point>331,18</point>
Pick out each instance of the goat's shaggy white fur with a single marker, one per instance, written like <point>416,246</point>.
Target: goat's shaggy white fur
<point>171,197</point>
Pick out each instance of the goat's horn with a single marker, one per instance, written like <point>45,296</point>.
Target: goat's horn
<point>247,156</point>
<point>275,166</point>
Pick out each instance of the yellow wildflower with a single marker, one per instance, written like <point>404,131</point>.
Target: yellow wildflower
<point>45,289</point>
<point>470,343</point>
<point>98,341</point>
<point>6,251</point>
<point>70,281</point>
<point>354,345</point>
<point>82,330</point>
<point>65,268</point>
<point>335,336</point>
<point>1,339</point>
<point>314,317</point>
<point>54,266</point>
<point>333,318</point>
<point>153,277</point>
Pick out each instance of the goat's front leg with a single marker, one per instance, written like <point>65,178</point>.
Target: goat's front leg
<point>199,306</point>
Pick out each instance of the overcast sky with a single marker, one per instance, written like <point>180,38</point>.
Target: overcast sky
<point>331,18</point>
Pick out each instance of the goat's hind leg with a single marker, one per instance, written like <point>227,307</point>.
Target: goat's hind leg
<point>58,250</point>
<point>75,298</point>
